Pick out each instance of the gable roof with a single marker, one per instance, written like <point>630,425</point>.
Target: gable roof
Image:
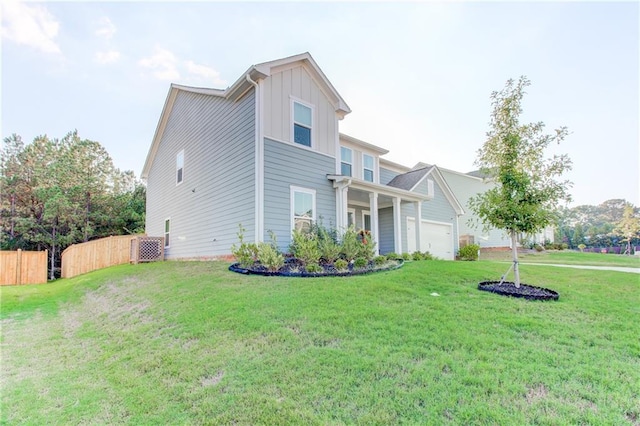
<point>240,87</point>
<point>410,180</point>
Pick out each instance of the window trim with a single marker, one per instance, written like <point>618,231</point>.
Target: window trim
<point>179,155</point>
<point>366,213</point>
<point>364,168</point>
<point>167,234</point>
<point>293,101</point>
<point>346,162</point>
<point>292,207</point>
<point>351,211</point>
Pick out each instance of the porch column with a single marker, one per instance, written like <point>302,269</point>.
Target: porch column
<point>341,207</point>
<point>418,210</point>
<point>397,226</point>
<point>373,208</point>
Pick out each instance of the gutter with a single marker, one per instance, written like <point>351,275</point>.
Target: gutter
<point>259,163</point>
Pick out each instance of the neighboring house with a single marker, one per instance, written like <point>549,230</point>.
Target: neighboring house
<point>266,153</point>
<point>465,186</point>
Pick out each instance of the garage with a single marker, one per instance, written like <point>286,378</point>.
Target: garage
<point>435,237</point>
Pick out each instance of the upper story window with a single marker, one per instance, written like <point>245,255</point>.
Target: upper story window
<point>346,161</point>
<point>367,167</point>
<point>302,123</point>
<point>179,167</point>
<point>303,208</point>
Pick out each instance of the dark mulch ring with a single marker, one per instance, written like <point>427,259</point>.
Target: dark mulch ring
<point>528,292</point>
<point>295,268</point>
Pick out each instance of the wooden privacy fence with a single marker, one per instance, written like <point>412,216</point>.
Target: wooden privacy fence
<point>97,254</point>
<point>23,267</point>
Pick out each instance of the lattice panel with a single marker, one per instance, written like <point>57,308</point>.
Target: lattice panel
<point>147,249</point>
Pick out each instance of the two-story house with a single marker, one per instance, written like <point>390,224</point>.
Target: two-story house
<point>267,153</point>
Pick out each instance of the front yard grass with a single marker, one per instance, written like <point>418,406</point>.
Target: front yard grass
<point>192,343</point>
<point>568,257</point>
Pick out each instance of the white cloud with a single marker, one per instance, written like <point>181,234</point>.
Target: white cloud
<point>32,26</point>
<point>105,29</point>
<point>211,76</point>
<point>108,57</point>
<point>163,63</point>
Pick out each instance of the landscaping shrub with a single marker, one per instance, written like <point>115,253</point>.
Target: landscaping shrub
<point>406,256</point>
<point>360,262</point>
<point>304,246</point>
<point>416,255</point>
<point>538,248</point>
<point>246,253</point>
<point>469,252</point>
<point>379,260</point>
<point>270,257</point>
<point>313,268</point>
<point>329,248</point>
<point>341,265</point>
<point>350,247</point>
<point>427,256</point>
<point>392,256</point>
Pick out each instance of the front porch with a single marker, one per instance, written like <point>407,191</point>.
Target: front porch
<point>378,209</point>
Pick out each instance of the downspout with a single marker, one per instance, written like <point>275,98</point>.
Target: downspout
<point>259,164</point>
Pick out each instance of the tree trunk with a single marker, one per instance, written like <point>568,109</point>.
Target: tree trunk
<point>514,251</point>
<point>53,254</point>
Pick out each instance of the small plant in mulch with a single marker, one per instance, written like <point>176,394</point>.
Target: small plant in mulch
<point>313,253</point>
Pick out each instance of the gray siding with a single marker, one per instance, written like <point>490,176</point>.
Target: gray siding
<point>286,165</point>
<point>385,224</point>
<point>466,187</point>
<point>438,210</point>
<point>386,175</point>
<point>218,190</point>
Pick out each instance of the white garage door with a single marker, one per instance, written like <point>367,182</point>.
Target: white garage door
<point>436,238</point>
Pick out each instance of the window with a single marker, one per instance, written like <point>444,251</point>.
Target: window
<point>346,160</point>
<point>367,164</point>
<point>167,229</point>
<point>351,217</point>
<point>303,208</point>
<point>366,220</point>
<point>302,124</point>
<point>179,167</point>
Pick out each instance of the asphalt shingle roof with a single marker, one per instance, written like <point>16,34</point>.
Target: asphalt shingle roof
<point>408,180</point>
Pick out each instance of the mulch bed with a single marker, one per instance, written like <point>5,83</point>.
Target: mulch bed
<point>295,268</point>
<point>525,291</point>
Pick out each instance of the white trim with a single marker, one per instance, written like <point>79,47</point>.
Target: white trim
<point>293,100</point>
<point>165,233</point>
<point>260,175</point>
<point>178,155</point>
<point>353,211</point>
<point>292,190</point>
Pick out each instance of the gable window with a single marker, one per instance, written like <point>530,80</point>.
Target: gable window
<point>367,167</point>
<point>302,123</point>
<point>167,230</point>
<point>346,161</point>
<point>303,208</point>
<point>179,167</point>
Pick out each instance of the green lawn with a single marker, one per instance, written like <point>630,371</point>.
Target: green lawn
<point>568,257</point>
<point>191,343</point>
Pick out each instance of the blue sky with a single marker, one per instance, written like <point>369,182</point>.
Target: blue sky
<point>416,75</point>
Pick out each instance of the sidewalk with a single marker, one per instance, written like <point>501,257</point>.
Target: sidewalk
<point>599,268</point>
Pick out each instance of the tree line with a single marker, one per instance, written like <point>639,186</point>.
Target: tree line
<point>614,223</point>
<point>58,192</point>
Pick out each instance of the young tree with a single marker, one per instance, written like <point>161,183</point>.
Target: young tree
<point>629,226</point>
<point>528,190</point>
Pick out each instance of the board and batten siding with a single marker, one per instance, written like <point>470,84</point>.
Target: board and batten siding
<point>278,123</point>
<point>286,165</point>
<point>464,188</point>
<point>385,225</point>
<point>437,209</point>
<point>218,189</point>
